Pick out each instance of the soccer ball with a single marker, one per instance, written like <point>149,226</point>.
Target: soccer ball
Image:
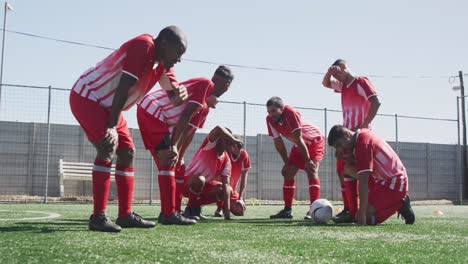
<point>321,211</point>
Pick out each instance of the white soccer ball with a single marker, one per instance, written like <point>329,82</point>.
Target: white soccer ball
<point>321,211</point>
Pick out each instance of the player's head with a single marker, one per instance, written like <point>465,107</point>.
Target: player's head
<point>171,44</point>
<point>235,149</point>
<point>342,72</point>
<point>223,142</point>
<point>222,78</point>
<point>340,138</point>
<point>275,107</point>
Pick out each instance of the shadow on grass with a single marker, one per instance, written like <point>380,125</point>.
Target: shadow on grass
<point>61,225</point>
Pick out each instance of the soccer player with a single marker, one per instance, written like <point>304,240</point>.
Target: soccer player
<point>375,162</point>
<point>100,95</point>
<point>240,165</point>
<point>167,129</point>
<point>360,103</point>
<point>207,175</point>
<point>306,154</point>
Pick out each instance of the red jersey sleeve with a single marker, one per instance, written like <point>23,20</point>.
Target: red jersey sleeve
<point>293,118</point>
<point>364,153</point>
<point>272,132</point>
<point>366,87</point>
<point>138,55</point>
<point>199,91</point>
<point>246,161</point>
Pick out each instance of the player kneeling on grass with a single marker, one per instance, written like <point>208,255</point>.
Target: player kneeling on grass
<point>207,175</point>
<point>382,178</point>
<point>306,154</point>
<point>240,165</point>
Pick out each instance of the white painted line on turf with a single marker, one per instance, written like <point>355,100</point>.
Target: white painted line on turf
<point>48,216</point>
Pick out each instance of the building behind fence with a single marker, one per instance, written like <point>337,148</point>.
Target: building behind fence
<point>35,134</point>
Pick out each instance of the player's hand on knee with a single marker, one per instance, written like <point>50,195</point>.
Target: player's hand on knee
<point>310,167</point>
<point>109,142</point>
<point>180,95</point>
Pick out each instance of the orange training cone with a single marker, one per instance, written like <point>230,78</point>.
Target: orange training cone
<point>438,212</point>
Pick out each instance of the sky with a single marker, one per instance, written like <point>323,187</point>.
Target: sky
<point>379,39</point>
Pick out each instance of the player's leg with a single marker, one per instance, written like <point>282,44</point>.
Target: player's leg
<point>193,190</point>
<point>219,209</point>
<point>125,179</point>
<point>92,118</point>
<point>289,172</point>
<point>179,179</point>
<point>316,151</point>
<point>383,203</point>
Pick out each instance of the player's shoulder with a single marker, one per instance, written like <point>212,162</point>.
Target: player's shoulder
<point>365,135</point>
<point>198,82</point>
<point>143,40</point>
<point>244,154</point>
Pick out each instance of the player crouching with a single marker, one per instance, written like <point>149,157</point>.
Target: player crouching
<point>207,177</point>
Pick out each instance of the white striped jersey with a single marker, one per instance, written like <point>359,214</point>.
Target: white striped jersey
<point>355,100</point>
<point>373,154</point>
<point>158,105</point>
<point>291,121</point>
<point>207,163</point>
<point>136,58</point>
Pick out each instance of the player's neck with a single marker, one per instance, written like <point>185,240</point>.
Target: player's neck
<point>349,79</point>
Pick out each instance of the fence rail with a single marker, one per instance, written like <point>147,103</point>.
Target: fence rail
<point>37,129</point>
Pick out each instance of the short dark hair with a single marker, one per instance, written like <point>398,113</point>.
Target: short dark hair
<point>224,72</point>
<point>336,132</point>
<point>172,34</point>
<point>275,101</point>
<point>339,62</point>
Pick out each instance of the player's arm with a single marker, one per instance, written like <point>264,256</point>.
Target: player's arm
<point>177,93</point>
<point>299,141</point>
<point>221,132</point>
<point>374,108</point>
<point>327,82</point>
<point>187,140</point>
<point>243,183</point>
<point>226,197</point>
<point>182,125</point>
<point>363,179</point>
<point>281,149</point>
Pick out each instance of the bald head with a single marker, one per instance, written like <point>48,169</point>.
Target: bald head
<point>171,44</point>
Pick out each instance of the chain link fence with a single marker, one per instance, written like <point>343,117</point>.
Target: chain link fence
<point>38,130</point>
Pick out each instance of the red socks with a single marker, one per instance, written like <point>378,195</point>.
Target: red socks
<point>343,194</point>
<point>124,177</point>
<point>101,184</point>
<point>179,179</point>
<point>289,188</point>
<point>314,189</point>
<point>351,194</point>
<point>167,190</point>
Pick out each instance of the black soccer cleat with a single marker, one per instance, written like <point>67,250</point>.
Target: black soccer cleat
<point>102,223</point>
<point>190,214</point>
<point>219,213</point>
<point>406,211</point>
<point>308,216</point>
<point>285,213</point>
<point>175,219</point>
<point>343,217</point>
<point>134,220</point>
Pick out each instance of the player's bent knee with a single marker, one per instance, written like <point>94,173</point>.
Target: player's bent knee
<point>197,183</point>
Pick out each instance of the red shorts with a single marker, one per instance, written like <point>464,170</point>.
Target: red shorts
<point>385,201</point>
<point>205,191</point>
<point>316,151</point>
<point>152,129</point>
<point>93,117</point>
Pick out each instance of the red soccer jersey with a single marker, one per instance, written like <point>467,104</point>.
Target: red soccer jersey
<point>355,100</point>
<point>136,57</point>
<point>373,154</point>
<point>206,162</point>
<point>239,165</point>
<point>291,121</point>
<point>158,104</point>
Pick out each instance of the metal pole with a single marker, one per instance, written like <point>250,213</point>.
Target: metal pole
<point>325,117</point>
<point>151,182</point>
<point>3,49</point>
<point>463,109</point>
<point>245,123</point>
<point>458,119</point>
<point>48,147</point>
<point>396,135</point>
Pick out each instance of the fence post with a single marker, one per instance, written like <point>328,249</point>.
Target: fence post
<point>458,119</point>
<point>259,167</point>
<point>397,144</point>
<point>245,124</point>
<point>48,147</point>
<point>428,167</point>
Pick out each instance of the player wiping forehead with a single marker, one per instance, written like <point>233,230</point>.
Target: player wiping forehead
<point>360,103</point>
<point>167,131</point>
<point>100,95</point>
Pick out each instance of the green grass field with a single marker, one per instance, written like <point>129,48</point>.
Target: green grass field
<point>252,238</point>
